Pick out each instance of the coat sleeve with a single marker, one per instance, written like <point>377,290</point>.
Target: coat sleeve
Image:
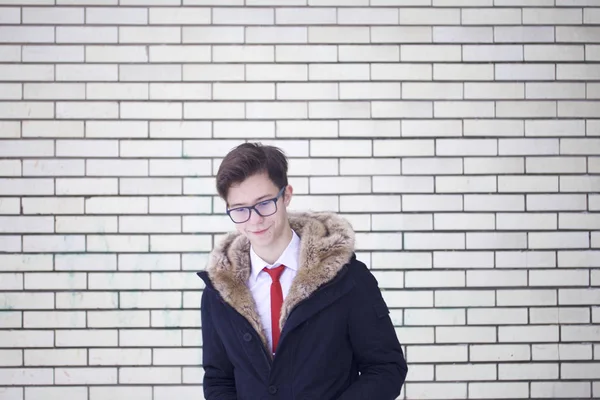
<point>376,348</point>
<point>219,383</point>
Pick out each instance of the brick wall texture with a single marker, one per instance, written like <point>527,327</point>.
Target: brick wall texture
<point>460,137</point>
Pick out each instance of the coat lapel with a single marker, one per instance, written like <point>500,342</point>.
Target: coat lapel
<point>326,245</point>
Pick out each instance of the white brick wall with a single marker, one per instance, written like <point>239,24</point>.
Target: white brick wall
<point>460,137</point>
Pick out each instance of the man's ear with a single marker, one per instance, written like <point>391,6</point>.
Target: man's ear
<point>287,194</point>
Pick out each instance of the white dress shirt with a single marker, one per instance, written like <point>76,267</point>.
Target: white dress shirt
<point>259,281</point>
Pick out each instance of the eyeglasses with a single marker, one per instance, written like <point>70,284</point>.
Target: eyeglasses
<point>264,208</point>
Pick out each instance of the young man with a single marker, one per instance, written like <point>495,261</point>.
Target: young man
<point>288,312</point>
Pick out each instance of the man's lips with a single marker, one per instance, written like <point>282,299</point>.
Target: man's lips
<point>260,232</point>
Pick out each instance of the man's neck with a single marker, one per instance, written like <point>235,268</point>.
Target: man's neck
<point>271,253</point>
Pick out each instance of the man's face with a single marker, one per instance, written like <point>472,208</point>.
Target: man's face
<point>261,231</point>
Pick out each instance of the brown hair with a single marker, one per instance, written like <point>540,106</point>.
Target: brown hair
<point>249,159</point>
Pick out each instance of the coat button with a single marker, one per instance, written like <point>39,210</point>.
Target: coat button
<point>272,389</point>
<point>247,337</point>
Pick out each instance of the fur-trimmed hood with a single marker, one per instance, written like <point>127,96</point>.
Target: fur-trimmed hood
<point>326,245</point>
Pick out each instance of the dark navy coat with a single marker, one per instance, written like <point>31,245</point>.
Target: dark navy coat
<point>337,343</point>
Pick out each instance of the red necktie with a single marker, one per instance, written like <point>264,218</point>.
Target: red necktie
<point>276,301</point>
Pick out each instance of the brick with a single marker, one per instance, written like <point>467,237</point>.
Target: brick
<point>528,334</point>
<point>243,16</point>
<point>528,371</point>
<point>27,376</point>
<point>564,315</point>
<point>495,165</point>
<point>116,16</point>
<point>154,224</point>
<point>524,34</point>
<point>580,146</point>
<point>176,281</point>
<point>10,205</point>
<point>464,298</point>
<point>27,34</point>
<point>119,280</point>
<point>549,52</point>
<point>577,72</point>
<point>527,184</point>
<point>86,73</point>
<point>428,128</point>
<point>121,392</point>
<point>577,34</point>
<point>338,3</point>
<point>54,206</point>
<point>54,91</point>
<point>588,296</point>
<point>528,109</point>
<point>437,241</point>
<point>435,317</point>
<point>179,129</point>
<point>55,319</point>
<point>416,298</point>
<point>363,53</point>
<point>208,224</point>
<point>241,53</point>
<point>578,183</point>
<point>179,356</point>
<point>345,148</point>
<point>592,52</point>
<point>187,53</point>
<point>462,72</point>
<point>497,90</point>
<point>458,184</point>
<point>496,240</point>
<point>276,110</point>
<point>404,72</point>
<point>555,128</point>
<point>338,35</point>
<point>338,110</point>
<point>364,203</point>
<point>153,110</point>
<point>401,34</point>
<point>477,372</point>
<point>87,148</point>
<point>518,221</point>
<point>549,16</point>
<point>116,129</point>
<point>276,72</point>
<point>312,166</point>
<point>496,315</point>
<point>149,73</point>
<point>80,110</point>
<point>590,15</point>
<point>560,389</point>
<point>117,91</point>
<point>10,15</point>
<point>150,34</point>
<point>437,353</point>
<point>85,376</point>
<point>367,16</point>
<point>305,91</point>
<point>116,53</point>
<point>148,262</point>
<point>465,147</point>
<point>321,185</point>
<point>243,129</point>
<point>492,53</point>
<point>525,72</point>
<point>555,91</point>
<point>57,54</point>
<point>400,184</point>
<point>504,390</point>
<point>18,186</point>
<point>550,240</point>
<point>432,90</point>
<point>27,338</point>
<point>55,357</point>
<point>10,53</point>
<point>437,53</point>
<point>496,278</point>
<point>401,109</point>
<point>305,16</point>
<point>180,243</point>
<point>148,186</point>
<point>26,110</point>
<point>499,352</point>
<point>436,390</point>
<point>150,300</point>
<point>213,34</point>
<point>299,53</point>
<point>11,91</point>
<point>585,258</point>
<point>117,243</point>
<point>137,375</point>
<point>10,358</point>
<point>382,241</point>
<point>52,15</point>
<point>594,203</point>
<point>432,166</point>
<point>11,281</point>
<point>179,16</point>
<point>496,127</point>
<point>462,34</point>
<point>16,72</point>
<point>120,357</point>
<point>448,221</point>
<point>316,129</point>
<point>83,338</point>
<point>525,259</point>
<point>87,34</point>
<point>58,243</point>
<point>336,72</point>
<point>409,222</point>
<point>57,280</point>
<point>87,262</point>
<point>580,370</point>
<point>487,16</point>
<point>432,202</point>
<point>556,165</point>
<point>276,35</point>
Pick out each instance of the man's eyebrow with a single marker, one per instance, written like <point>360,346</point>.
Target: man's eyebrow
<point>266,196</point>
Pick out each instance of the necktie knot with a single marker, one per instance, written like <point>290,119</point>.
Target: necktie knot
<point>275,273</point>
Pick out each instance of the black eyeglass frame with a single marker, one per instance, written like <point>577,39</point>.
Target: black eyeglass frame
<point>250,208</point>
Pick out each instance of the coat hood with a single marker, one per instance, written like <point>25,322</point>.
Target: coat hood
<point>326,245</point>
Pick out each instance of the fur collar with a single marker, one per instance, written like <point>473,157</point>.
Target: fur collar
<point>326,245</point>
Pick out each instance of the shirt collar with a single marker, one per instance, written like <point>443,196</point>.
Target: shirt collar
<point>289,258</point>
